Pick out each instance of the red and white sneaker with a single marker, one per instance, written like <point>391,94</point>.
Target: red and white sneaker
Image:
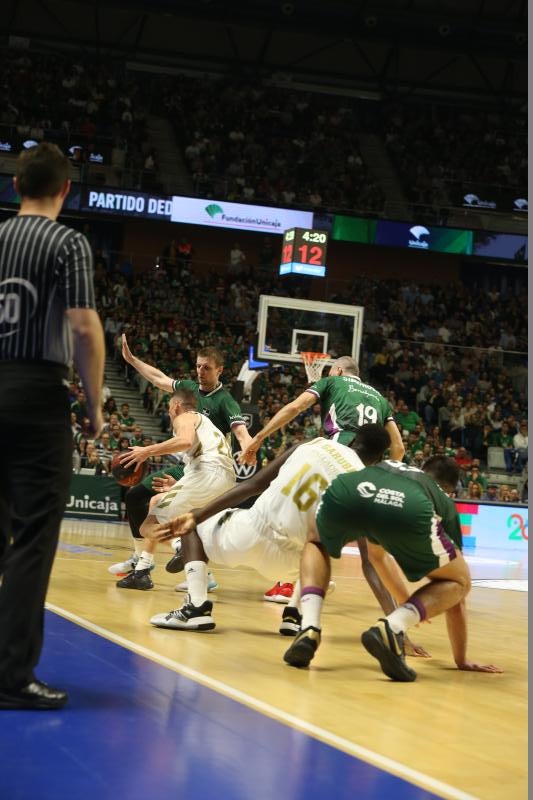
<point>280,593</point>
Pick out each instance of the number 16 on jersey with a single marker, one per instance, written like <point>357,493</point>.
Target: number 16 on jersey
<point>304,252</point>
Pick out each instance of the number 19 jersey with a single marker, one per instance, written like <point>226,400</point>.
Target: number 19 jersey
<point>348,404</point>
<point>290,502</point>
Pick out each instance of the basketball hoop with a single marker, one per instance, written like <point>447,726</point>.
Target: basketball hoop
<point>314,364</point>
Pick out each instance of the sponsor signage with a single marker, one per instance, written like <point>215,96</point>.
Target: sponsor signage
<point>421,237</point>
<point>93,498</point>
<point>220,214</point>
<point>490,525</point>
<point>134,204</point>
<point>473,201</point>
<point>504,246</point>
<point>354,229</point>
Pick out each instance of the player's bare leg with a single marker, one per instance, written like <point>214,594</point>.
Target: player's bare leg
<point>315,572</point>
<point>196,612</point>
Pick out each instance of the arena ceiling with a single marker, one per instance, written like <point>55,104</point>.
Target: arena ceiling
<point>477,48</point>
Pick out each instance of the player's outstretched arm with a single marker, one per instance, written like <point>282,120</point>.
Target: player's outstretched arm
<point>284,416</point>
<point>240,492</point>
<point>457,634</point>
<point>152,374</point>
<point>397,447</point>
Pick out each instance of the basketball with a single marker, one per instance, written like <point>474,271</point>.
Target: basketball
<point>127,476</point>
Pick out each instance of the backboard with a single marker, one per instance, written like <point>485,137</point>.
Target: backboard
<point>287,326</point>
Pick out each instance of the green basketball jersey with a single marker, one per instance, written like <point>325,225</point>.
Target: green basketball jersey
<point>218,405</point>
<point>348,403</point>
<point>390,503</point>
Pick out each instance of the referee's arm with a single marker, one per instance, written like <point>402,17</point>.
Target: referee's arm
<point>89,357</point>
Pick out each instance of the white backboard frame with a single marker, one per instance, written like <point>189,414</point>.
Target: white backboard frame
<point>267,301</point>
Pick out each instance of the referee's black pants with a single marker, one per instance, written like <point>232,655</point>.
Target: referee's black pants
<point>35,470</point>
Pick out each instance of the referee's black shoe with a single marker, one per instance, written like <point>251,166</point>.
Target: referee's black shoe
<point>137,579</point>
<point>302,650</point>
<point>388,647</point>
<point>35,695</point>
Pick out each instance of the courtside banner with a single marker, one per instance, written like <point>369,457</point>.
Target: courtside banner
<point>220,214</point>
<point>93,498</point>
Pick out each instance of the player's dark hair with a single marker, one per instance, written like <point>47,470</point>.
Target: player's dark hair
<point>186,397</point>
<point>213,353</point>
<point>443,470</point>
<point>370,443</point>
<point>41,171</point>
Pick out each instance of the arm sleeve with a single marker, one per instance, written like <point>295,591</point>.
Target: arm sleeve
<point>232,411</point>
<point>388,416</point>
<point>78,274</point>
<point>317,387</point>
<point>184,384</point>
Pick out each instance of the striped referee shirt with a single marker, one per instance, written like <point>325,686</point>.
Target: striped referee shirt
<point>45,268</point>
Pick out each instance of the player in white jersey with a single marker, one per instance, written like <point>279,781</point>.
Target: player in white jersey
<point>269,536</point>
<point>208,473</point>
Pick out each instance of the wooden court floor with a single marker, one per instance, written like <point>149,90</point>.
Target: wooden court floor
<point>466,730</point>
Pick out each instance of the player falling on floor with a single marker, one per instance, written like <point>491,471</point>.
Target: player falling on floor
<point>404,512</point>
<point>269,536</point>
<point>208,473</point>
<point>346,403</point>
<point>216,403</point>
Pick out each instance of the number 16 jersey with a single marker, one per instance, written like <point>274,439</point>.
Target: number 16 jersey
<point>290,502</point>
<point>348,404</point>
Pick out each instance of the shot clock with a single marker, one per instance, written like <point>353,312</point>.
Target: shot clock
<point>304,252</point>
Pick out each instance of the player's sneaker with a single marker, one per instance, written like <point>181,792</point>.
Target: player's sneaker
<point>302,650</point>
<point>388,647</point>
<point>188,617</point>
<point>176,563</point>
<point>124,567</point>
<point>291,622</point>
<point>211,584</point>
<point>280,593</point>
<point>137,579</point>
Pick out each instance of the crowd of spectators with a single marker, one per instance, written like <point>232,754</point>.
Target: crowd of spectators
<point>450,361</point>
<point>442,152</point>
<point>252,143</point>
<point>93,109</point>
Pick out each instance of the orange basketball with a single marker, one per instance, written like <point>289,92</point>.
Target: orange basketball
<point>127,476</point>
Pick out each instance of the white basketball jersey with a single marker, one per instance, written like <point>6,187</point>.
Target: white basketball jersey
<point>210,447</point>
<point>291,500</point>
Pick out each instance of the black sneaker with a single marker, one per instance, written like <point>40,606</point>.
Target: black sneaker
<point>304,647</point>
<point>188,617</point>
<point>137,579</point>
<point>176,563</point>
<point>388,647</point>
<point>291,621</point>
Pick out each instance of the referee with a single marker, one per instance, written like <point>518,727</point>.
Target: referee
<point>46,316</point>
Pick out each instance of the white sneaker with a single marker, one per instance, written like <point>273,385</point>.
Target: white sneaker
<point>124,567</point>
<point>188,617</point>
<point>211,584</point>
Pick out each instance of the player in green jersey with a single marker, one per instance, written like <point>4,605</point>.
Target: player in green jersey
<point>404,512</point>
<point>224,412</point>
<point>346,405</point>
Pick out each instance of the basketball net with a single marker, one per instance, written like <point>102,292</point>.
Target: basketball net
<point>314,364</point>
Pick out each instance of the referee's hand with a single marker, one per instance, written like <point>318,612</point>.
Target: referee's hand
<point>97,423</point>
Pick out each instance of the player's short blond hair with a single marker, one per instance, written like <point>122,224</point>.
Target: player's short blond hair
<point>347,364</point>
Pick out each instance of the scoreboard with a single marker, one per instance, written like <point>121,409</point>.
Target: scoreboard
<point>304,252</point>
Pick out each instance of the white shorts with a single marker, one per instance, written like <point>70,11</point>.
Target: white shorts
<point>238,538</point>
<point>195,489</point>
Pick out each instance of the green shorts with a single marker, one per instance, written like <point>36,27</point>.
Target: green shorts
<point>389,510</point>
<point>175,472</point>
<point>344,437</point>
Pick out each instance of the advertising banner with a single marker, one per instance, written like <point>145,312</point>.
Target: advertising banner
<point>93,498</point>
<point>505,246</point>
<point>354,229</point>
<point>125,204</point>
<point>504,527</point>
<point>220,214</point>
<point>421,237</point>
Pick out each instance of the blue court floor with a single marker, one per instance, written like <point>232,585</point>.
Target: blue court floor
<point>136,730</point>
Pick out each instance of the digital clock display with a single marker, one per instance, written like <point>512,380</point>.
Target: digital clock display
<point>304,252</point>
